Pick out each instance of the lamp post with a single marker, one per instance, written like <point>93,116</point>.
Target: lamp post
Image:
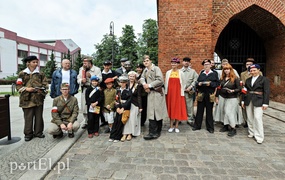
<point>112,27</point>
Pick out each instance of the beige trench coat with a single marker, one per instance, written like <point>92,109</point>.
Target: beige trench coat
<point>156,104</point>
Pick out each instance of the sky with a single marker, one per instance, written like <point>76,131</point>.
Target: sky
<point>83,21</point>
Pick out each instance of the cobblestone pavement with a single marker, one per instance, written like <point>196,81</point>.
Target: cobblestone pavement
<point>184,155</point>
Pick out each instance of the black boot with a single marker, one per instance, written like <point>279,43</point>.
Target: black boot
<point>224,129</point>
<point>152,131</point>
<point>232,132</point>
<point>159,127</point>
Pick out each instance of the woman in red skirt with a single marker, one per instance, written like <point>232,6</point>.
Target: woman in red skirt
<point>174,90</point>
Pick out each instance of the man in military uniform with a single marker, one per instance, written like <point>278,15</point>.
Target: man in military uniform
<point>32,85</point>
<point>83,79</point>
<point>64,114</point>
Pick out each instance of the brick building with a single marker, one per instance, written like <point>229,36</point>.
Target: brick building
<point>232,29</point>
<point>14,48</point>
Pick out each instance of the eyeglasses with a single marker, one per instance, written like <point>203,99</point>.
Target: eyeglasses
<point>206,64</point>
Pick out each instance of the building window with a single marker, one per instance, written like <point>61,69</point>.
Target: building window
<point>43,57</point>
<point>22,54</point>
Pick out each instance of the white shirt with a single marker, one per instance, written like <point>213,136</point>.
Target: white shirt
<point>253,79</point>
<point>65,76</point>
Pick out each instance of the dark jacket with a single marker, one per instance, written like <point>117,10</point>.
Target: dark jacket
<point>260,85</point>
<point>212,77</point>
<point>226,85</point>
<point>136,95</point>
<point>124,99</point>
<point>97,96</point>
<point>57,80</point>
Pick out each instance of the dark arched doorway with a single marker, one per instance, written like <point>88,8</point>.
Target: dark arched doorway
<point>237,42</point>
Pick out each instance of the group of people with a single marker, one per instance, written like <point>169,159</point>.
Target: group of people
<point>124,99</point>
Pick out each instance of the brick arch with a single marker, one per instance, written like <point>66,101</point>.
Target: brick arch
<point>226,12</point>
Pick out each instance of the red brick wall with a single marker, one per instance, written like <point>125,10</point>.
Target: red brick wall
<point>184,30</point>
<point>192,27</point>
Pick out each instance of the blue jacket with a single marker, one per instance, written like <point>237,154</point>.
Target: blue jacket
<point>56,83</point>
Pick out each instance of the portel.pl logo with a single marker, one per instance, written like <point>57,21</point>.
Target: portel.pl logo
<point>42,164</point>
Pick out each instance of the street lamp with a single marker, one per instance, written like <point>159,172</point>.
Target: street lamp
<point>112,27</point>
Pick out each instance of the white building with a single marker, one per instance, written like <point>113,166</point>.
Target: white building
<point>14,48</point>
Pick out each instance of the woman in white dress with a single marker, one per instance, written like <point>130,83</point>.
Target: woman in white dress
<point>133,125</point>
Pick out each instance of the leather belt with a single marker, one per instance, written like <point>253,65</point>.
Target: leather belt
<point>256,92</point>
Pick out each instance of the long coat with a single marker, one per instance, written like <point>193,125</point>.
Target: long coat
<point>260,85</point>
<point>156,104</point>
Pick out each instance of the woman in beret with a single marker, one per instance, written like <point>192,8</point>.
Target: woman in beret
<point>206,85</point>
<point>32,85</point>
<point>123,102</point>
<point>175,100</point>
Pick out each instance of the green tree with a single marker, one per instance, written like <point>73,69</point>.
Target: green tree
<point>128,44</point>
<point>104,51</point>
<point>22,66</point>
<point>148,42</point>
<point>78,62</point>
<point>50,66</point>
<point>68,56</point>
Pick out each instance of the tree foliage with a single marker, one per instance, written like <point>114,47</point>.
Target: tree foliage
<point>78,62</point>
<point>50,66</point>
<point>128,44</point>
<point>149,40</point>
<point>104,51</point>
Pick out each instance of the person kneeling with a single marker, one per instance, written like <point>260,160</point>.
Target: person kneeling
<point>64,114</point>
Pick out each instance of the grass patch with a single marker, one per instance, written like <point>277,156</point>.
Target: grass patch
<point>4,93</point>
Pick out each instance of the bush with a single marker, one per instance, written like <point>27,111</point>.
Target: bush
<point>6,82</point>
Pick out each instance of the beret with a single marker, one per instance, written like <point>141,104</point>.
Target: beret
<point>94,78</point>
<point>30,58</point>
<point>176,60</point>
<point>206,60</point>
<point>109,80</point>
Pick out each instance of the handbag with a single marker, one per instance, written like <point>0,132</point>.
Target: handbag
<point>200,97</point>
<point>125,116</point>
<point>212,97</point>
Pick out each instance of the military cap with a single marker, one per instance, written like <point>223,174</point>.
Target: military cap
<point>107,62</point>
<point>64,85</point>
<point>127,64</point>
<point>254,66</point>
<point>187,59</point>
<point>30,58</point>
<point>94,78</point>
<point>205,61</point>
<point>124,59</point>
<point>176,60</point>
<point>123,78</point>
<point>109,80</point>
